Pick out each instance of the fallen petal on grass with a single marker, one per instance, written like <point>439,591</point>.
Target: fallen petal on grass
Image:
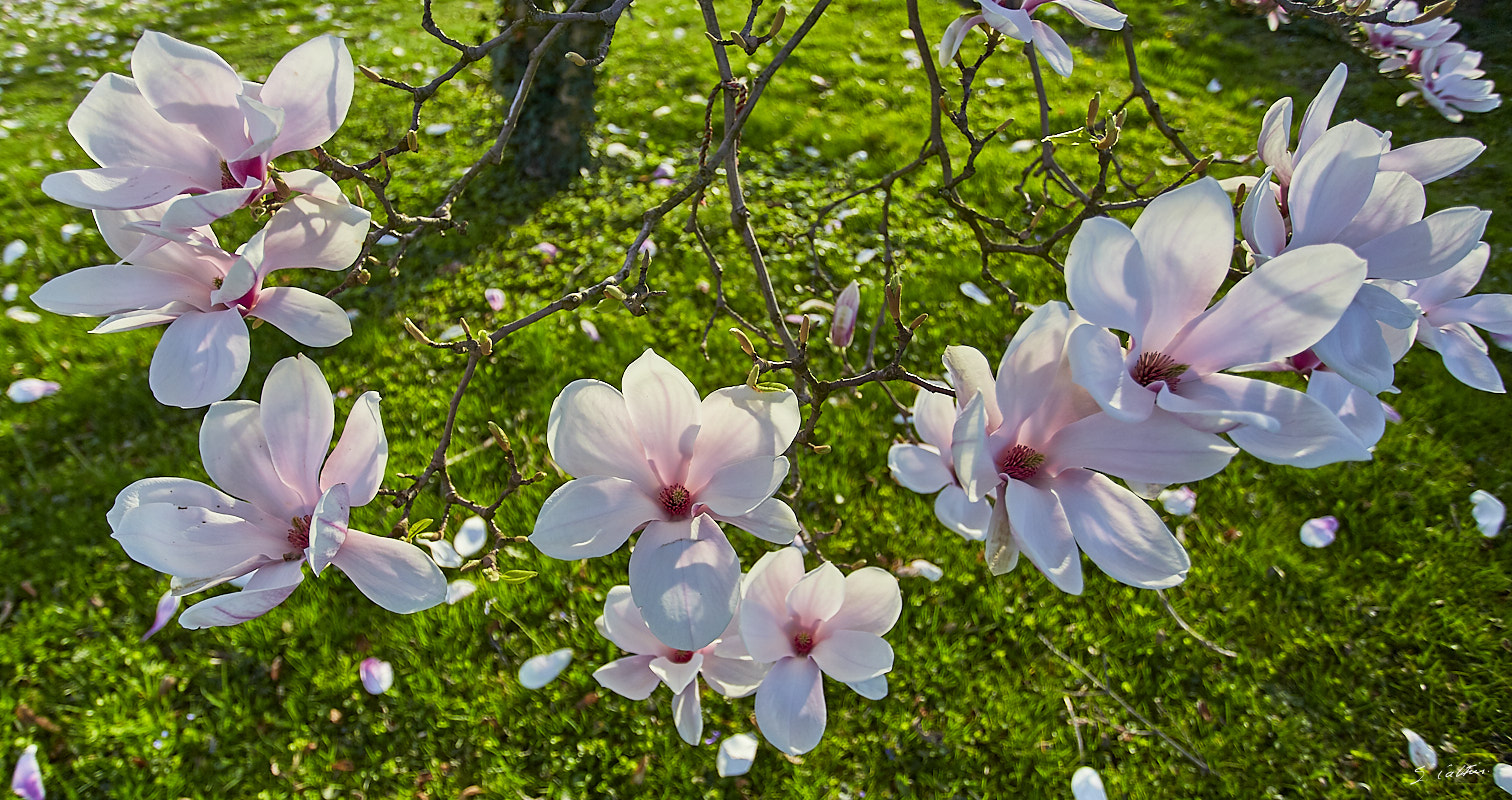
<point>377,676</point>
<point>1319,532</point>
<point>735,755</point>
<point>543,669</point>
<point>1489,512</point>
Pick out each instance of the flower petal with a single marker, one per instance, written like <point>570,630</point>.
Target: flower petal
<point>664,408</point>
<point>235,454</point>
<point>871,688</point>
<point>773,521</point>
<point>1106,280</point>
<point>396,575</point>
<point>971,374</point>
<point>196,543</point>
<point>677,676</point>
<point>1120,533</point>
<point>116,289</point>
<point>1307,435</point>
<point>1466,358</point>
<point>764,614</point>
<point>269,586</point>
<point>852,656</point>
<point>191,86</point>
<point>959,514</point>
<point>934,415</point>
<point>1358,409</point>
<point>589,433</point>
<point>1395,201</point>
<point>1099,365</point>
<point>1332,181</point>
<point>740,487</point>
<point>313,85</point>
<point>1162,449</point>
<point>328,527</point>
<point>1261,222</point>
<point>736,755</point>
<point>817,596</point>
<point>918,469</point>
<point>297,419</point>
<point>540,670</point>
<point>953,38</point>
<point>738,423</point>
<point>202,358</point>
<point>1186,238</point>
<point>312,233</point>
<point>1002,547</point>
<point>1086,785</point>
<point>790,706</point>
<point>1274,142</point>
<point>1428,161</point>
<point>361,454</point>
<point>1320,111</point>
<point>685,578</point>
<point>872,603</point>
<point>1055,50</point>
<point>688,714</point>
<point>1043,532</point>
<point>733,677</point>
<point>1425,248</point>
<point>630,677</point>
<point>167,606</point>
<point>26,781</point>
<point>974,467</point>
<point>311,319</point>
<point>591,517</point>
<point>623,624</point>
<point>1093,14</point>
<point>377,676</point>
<point>117,187</point>
<point>114,104</point>
<point>1489,512</point>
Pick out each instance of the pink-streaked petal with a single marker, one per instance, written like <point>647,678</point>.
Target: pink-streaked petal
<point>1002,547</point>
<point>773,521</point>
<point>1428,247</point>
<point>1319,532</point>
<point>1093,14</point>
<point>297,419</point>
<point>623,624</point>
<point>872,603</point>
<point>114,105</point>
<point>167,606</point>
<point>1106,280</point>
<point>763,605</point>
<point>817,596</point>
<point>1050,45</point>
<point>1261,222</point>
<point>1360,411</point>
<point>685,578</point>
<point>590,433</point>
<point>196,543</point>
<point>1187,240</point>
<point>1099,365</point>
<point>26,781</point>
<point>1428,161</point>
<point>955,36</point>
<point>311,319</point>
<point>971,374</point>
<point>736,755</point>
<point>1307,433</point>
<point>1320,111</point>
<point>739,423</point>
<point>1162,449</point>
<point>1396,200</point>
<point>396,575</point>
<point>740,487</point>
<point>630,677</point>
<point>664,408</point>
<point>117,187</point>
<point>202,358</point>
<point>115,289</point>
<point>191,86</point>
<point>1332,181</point>
<point>974,466</point>
<point>1178,502</point>
<point>790,706</point>
<point>1042,531</point>
<point>269,586</point>
<point>313,85</point>
<point>1035,387</point>
<point>1488,511</point>
<point>677,676</point>
<point>1122,535</point>
<point>1280,309</point>
<point>312,233</point>
<point>852,656</point>
<point>183,493</point>
<point>1274,142</point>
<point>688,714</point>
<point>537,671</point>
<point>328,527</point>
<point>956,512</point>
<point>234,452</point>
<point>377,676</point>
<point>135,320</point>
<point>918,469</point>
<point>591,517</point>
<point>361,455</point>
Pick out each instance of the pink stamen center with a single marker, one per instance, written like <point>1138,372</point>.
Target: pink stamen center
<point>803,643</point>
<point>1021,462</point>
<point>680,656</point>
<point>228,181</point>
<point>299,534</point>
<point>676,499</point>
<point>1157,367</point>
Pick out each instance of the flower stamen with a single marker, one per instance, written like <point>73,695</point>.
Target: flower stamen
<point>676,499</point>
<point>1157,367</point>
<point>299,534</point>
<point>803,643</point>
<point>680,656</point>
<point>1021,462</point>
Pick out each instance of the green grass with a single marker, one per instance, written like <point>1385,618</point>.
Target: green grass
<point>1400,623</point>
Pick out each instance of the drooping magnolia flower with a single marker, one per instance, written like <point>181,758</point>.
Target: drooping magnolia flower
<point>1451,315</point>
<point>658,457</point>
<point>723,662</point>
<point>927,468</point>
<point>1154,282</point>
<point>203,293</point>
<point>1012,18</point>
<point>285,503</point>
<point>187,125</point>
<point>1449,79</point>
<point>814,624</point>
<point>1037,440</point>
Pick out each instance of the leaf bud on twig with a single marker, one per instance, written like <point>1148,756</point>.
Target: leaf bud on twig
<point>615,292</point>
<point>370,74</point>
<point>919,320</point>
<point>777,20</point>
<point>576,59</point>
<point>1092,109</point>
<point>751,378</point>
<point>499,437</point>
<point>414,330</point>
<point>894,293</point>
<point>745,342</point>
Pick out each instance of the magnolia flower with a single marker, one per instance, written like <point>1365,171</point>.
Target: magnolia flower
<point>1034,438</point>
<point>1155,281</point>
<point>377,676</point>
<point>1390,39</point>
<point>927,468</point>
<point>285,503</point>
<point>1450,318</point>
<point>203,293</point>
<point>1012,19</point>
<point>658,457</point>
<point>819,622</point>
<point>187,125</point>
<point>723,662</point>
<point>26,781</point>
<point>847,306</point>
<point>1448,79</point>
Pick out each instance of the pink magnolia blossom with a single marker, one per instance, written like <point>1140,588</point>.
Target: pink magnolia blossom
<point>187,125</point>
<point>1392,39</point>
<point>26,781</point>
<point>1154,282</point>
<point>1038,442</point>
<point>203,293</point>
<point>285,503</point>
<point>1013,19</point>
<point>1449,79</point>
<point>658,457</point>
<point>814,624</point>
<point>927,468</point>
<point>723,662</point>
<point>1451,315</point>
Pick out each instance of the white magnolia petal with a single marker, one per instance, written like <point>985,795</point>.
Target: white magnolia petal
<point>190,212</point>
<point>1093,14</point>
<point>872,603</point>
<point>955,36</point>
<point>1055,50</point>
<point>1307,434</point>
<point>1274,142</point>
<point>589,432</point>
<point>396,575</point>
<point>1428,247</point>
<point>297,419</point>
<point>235,454</point>
<point>1359,410</point>
<point>918,469</point>
<point>1396,200</point>
<point>1187,240</point>
<point>790,706</point>
<point>664,408</point>
<point>167,606</point>
<point>328,527</point>
<point>116,289</point>
<point>1035,386</point>
<point>956,512</point>
<point>733,677</point>
<point>591,517</point>
<point>1320,111</point>
<point>739,488</point>
<point>763,604</point>
<point>459,590</point>
<point>136,320</point>
<point>773,521</point>
<point>1098,364</point>
<point>113,105</point>
<point>852,656</point>
<point>971,374</point>
<point>311,319</point>
<point>934,416</point>
<point>1162,449</point>
<point>1012,22</point>
<point>1002,548</point>
<point>630,677</point>
<point>1466,359</point>
<point>361,454</point>
<point>183,493</point>
<point>191,86</point>
<point>1452,283</point>
<point>1122,535</point>
<point>471,536</point>
<point>1502,776</point>
<point>1086,785</point>
<point>1043,533</point>
<point>377,676</point>
<point>685,578</point>
<point>817,596</point>
<point>1106,280</point>
<point>1489,512</point>
<point>1489,312</point>
<point>195,542</point>
<point>312,233</point>
<point>537,671</point>
<point>1356,349</point>
<point>623,624</point>
<point>269,586</point>
<point>312,84</point>
<point>1261,222</point>
<point>736,755</point>
<point>871,688</point>
<point>1428,161</point>
<point>1420,752</point>
<point>1211,406</point>
<point>676,675</point>
<point>739,423</point>
<point>117,187</point>
<point>1332,181</point>
<point>202,358</point>
<point>974,467</point>
<point>688,714</point>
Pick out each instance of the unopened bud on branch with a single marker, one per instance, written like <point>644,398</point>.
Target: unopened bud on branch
<point>894,293</point>
<point>367,72</point>
<point>847,307</point>
<point>485,345</point>
<point>777,20</point>
<point>576,59</point>
<point>821,449</point>
<point>414,330</point>
<point>751,378</point>
<point>745,342</point>
<point>803,331</point>
<point>615,292</point>
<point>919,320</point>
<point>412,142</point>
<point>499,437</point>
<point>363,276</point>
<point>1092,109</point>
<point>740,40</point>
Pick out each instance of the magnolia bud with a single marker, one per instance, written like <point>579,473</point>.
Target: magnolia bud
<point>414,330</point>
<point>485,345</point>
<point>499,437</point>
<point>894,294</point>
<point>412,142</point>
<point>368,73</point>
<point>576,59</point>
<point>777,20</point>
<point>1092,109</point>
<point>843,327</point>
<point>821,449</point>
<point>751,379</point>
<point>919,320</point>
<point>803,330</point>
<point>745,342</point>
<point>615,292</point>
<point>740,40</point>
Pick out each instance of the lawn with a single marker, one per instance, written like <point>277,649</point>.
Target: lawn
<point>1002,686</point>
